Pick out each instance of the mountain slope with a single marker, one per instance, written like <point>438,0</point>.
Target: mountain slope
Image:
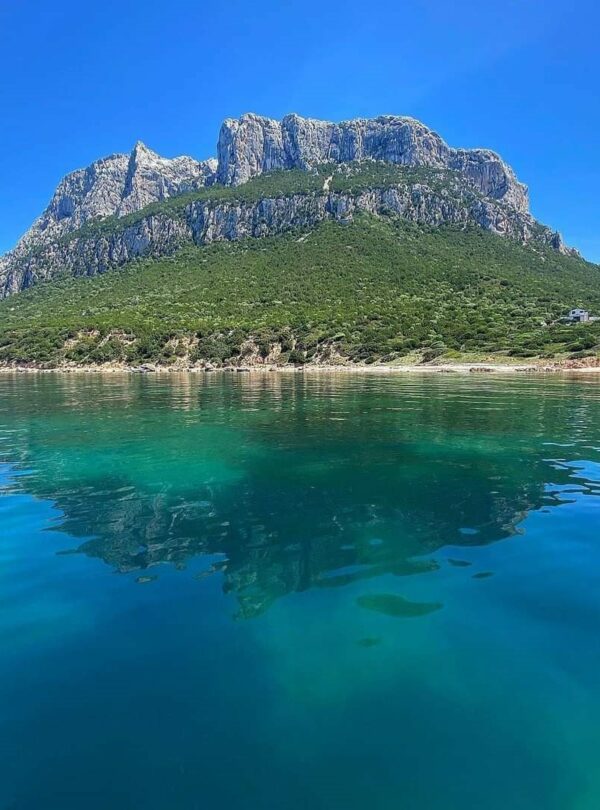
<point>373,289</point>
<point>121,185</point>
<point>116,185</point>
<point>270,204</point>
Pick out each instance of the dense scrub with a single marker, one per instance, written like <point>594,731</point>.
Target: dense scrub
<point>372,290</point>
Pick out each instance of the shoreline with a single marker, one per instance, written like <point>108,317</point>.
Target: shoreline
<point>463,368</point>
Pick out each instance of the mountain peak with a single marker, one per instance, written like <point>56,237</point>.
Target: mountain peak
<point>140,149</point>
<point>118,184</point>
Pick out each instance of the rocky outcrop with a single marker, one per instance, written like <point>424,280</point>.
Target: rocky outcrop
<point>206,221</point>
<point>251,145</point>
<point>115,186</point>
<point>151,178</point>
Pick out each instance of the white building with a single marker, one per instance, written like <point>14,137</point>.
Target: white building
<point>579,315</point>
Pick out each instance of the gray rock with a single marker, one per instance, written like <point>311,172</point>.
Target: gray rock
<point>151,178</point>
<point>206,221</point>
<point>252,144</point>
<point>116,185</point>
<point>113,186</point>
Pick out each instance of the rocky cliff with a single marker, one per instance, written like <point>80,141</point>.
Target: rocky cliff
<point>480,189</point>
<point>252,144</point>
<point>202,221</point>
<point>115,185</point>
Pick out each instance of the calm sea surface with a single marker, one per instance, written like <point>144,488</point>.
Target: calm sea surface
<point>299,591</point>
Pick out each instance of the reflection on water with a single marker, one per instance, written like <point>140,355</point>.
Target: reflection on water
<point>417,558</point>
<point>291,482</point>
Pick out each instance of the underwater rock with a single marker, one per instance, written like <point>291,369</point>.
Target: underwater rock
<point>368,642</point>
<point>398,606</point>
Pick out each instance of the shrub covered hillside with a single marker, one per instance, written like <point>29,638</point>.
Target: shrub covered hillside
<point>373,290</point>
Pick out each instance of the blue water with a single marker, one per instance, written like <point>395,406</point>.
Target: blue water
<point>291,591</point>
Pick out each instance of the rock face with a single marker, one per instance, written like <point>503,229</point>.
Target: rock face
<point>486,193</point>
<point>151,178</point>
<point>113,186</point>
<point>206,221</point>
<point>252,144</point>
<point>116,185</point>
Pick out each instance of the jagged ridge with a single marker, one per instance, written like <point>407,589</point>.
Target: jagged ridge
<point>116,185</point>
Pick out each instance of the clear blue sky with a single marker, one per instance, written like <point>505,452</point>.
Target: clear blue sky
<point>82,80</point>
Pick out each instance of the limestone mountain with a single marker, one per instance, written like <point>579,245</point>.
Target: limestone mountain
<point>119,207</point>
<point>252,145</point>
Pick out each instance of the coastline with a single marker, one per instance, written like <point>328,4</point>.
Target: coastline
<point>464,368</point>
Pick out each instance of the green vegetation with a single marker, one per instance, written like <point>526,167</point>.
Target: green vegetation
<point>373,290</point>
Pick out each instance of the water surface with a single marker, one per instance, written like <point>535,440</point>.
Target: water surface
<point>292,591</point>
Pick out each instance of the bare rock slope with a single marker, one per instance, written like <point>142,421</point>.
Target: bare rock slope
<point>116,185</point>
<point>252,144</point>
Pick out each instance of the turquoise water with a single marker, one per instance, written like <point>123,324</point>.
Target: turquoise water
<point>298,591</point>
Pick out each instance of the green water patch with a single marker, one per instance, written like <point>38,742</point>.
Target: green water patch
<point>370,570</point>
<point>369,641</point>
<point>397,606</point>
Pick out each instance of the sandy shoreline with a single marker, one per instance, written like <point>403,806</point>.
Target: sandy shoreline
<point>446,368</point>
